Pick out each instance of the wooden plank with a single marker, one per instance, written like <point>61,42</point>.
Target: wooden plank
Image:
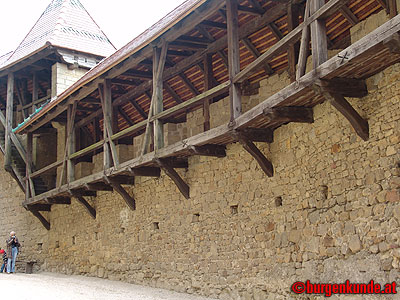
<point>275,31</point>
<point>393,43</point>
<point>319,43</point>
<point>9,121</point>
<point>173,94</point>
<point>59,200</point>
<point>175,177</point>
<point>129,200</point>
<point>325,11</point>
<point>189,84</point>
<point>98,186</point>
<point>233,57</point>
<point>392,8</point>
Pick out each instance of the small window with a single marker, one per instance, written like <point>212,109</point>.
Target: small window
<point>278,201</point>
<point>156,225</point>
<point>234,209</point>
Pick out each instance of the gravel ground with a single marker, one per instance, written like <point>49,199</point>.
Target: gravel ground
<point>46,286</point>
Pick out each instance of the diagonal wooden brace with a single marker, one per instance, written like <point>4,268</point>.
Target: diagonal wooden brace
<point>90,209</point>
<point>252,149</point>
<point>42,219</point>
<point>130,201</point>
<point>169,170</point>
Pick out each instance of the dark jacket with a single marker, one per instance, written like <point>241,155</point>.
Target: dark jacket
<point>10,244</point>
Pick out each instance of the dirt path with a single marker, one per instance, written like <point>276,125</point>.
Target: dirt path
<point>46,286</point>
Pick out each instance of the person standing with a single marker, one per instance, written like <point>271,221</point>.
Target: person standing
<point>12,252</point>
<point>4,256</point>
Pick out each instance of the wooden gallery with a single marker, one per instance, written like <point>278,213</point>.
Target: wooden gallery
<point>233,148</point>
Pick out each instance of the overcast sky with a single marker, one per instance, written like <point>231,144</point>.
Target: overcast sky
<point>120,20</point>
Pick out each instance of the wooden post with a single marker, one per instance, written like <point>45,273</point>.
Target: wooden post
<point>319,45</point>
<point>29,186</point>
<point>35,90</point>
<point>9,120</point>
<point>71,147</point>
<point>208,84</point>
<point>304,45</point>
<point>293,50</point>
<point>158,100</point>
<point>106,103</point>
<point>159,59</point>
<point>233,57</point>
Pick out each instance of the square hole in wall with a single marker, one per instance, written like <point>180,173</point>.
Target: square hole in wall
<point>74,240</point>
<point>39,246</point>
<point>195,218</point>
<point>57,244</point>
<point>96,236</point>
<point>234,209</point>
<point>278,201</point>
<point>156,225</point>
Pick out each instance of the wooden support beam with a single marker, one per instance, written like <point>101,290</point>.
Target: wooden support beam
<point>324,12</point>
<point>275,31</point>
<point>393,43</point>
<point>347,87</point>
<point>123,179</point>
<point>384,5</point>
<point>173,94</point>
<point>89,208</point>
<point>59,200</point>
<point>9,121</point>
<point>208,84</point>
<point>249,10</point>
<point>145,171</point>
<point>288,114</point>
<point>359,124</point>
<point>138,74</point>
<point>125,116</point>
<point>42,219</point>
<point>233,57</point>
<point>109,146</point>
<point>319,43</point>
<point>175,177</point>
<point>392,8</point>
<point>257,5</point>
<point>208,150</point>
<point>265,135</point>
<point>40,207</point>
<point>349,16</point>
<point>98,186</point>
<point>252,149</point>
<point>293,13</point>
<point>189,84</point>
<point>30,187</point>
<point>254,51</point>
<point>304,45</point>
<point>71,146</point>
<point>213,24</point>
<point>130,201</point>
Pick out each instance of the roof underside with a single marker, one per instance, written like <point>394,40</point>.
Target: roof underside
<point>184,85</point>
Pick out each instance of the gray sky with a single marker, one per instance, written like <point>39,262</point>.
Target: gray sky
<point>121,20</point>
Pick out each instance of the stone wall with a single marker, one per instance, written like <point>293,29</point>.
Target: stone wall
<point>31,234</point>
<point>330,213</point>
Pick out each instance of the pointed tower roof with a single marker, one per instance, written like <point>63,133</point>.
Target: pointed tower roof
<point>64,24</point>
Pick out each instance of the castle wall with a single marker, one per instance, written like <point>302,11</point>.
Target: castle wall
<point>330,213</point>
